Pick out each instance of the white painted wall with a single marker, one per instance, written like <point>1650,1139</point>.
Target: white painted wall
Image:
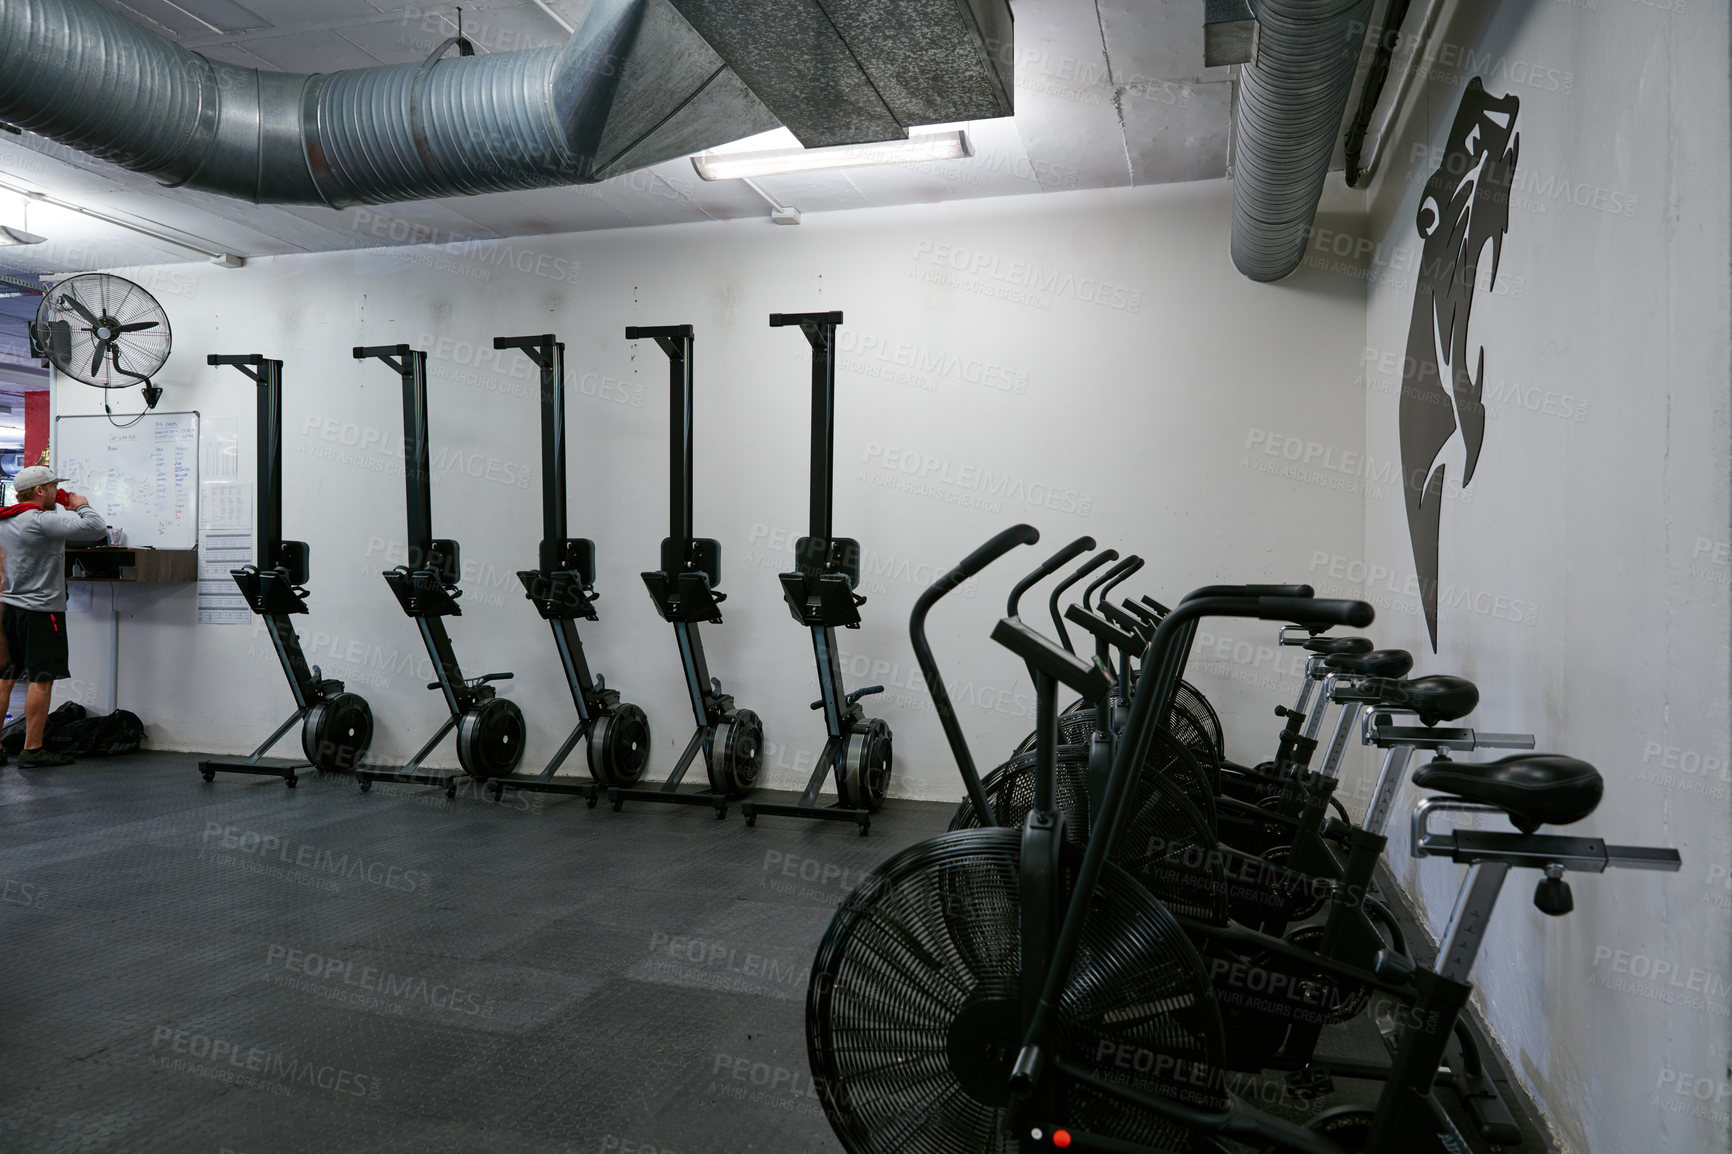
<point>1590,547</point>
<point>1088,362</point>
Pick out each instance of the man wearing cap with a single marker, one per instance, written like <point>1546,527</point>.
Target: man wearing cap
<point>33,536</point>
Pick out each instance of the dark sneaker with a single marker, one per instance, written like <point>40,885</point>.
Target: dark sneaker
<point>43,759</point>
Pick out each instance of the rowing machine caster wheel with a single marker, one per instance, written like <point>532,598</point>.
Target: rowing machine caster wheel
<point>592,800</point>
<point>336,733</point>
<point>495,790</point>
<point>619,746</point>
<point>451,790</point>
<point>366,786</point>
<point>736,754</point>
<point>490,739</point>
<point>618,804</point>
<point>207,774</point>
<point>290,780</point>
<point>865,828</point>
<point>866,766</point>
<point>751,821</point>
<point>721,813</point>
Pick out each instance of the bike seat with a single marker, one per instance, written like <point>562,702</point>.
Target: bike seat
<point>1377,663</point>
<point>1437,697</point>
<point>1329,646</point>
<point>1535,789</point>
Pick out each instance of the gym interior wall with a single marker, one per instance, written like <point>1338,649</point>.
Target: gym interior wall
<point>1583,583</point>
<point>1025,359</point>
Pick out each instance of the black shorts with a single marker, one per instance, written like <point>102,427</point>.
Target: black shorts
<point>36,642</point>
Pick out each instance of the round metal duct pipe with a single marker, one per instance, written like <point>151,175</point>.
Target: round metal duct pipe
<point>1291,101</point>
<point>634,85</point>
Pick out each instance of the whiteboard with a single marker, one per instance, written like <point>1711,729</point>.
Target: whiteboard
<point>143,478</point>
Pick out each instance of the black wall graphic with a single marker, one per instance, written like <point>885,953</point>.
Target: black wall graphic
<point>1465,208</point>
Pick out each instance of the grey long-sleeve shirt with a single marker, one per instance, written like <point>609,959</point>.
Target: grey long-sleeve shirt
<point>34,544</point>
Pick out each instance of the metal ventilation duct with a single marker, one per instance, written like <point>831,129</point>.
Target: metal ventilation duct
<point>1291,101</point>
<point>635,85</point>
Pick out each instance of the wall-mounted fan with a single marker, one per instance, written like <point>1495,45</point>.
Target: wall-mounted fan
<point>105,331</point>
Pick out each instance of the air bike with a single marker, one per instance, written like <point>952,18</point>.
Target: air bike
<point>336,727</point>
<point>820,594</point>
<point>995,990</point>
<point>490,730</point>
<point>685,594</point>
<point>562,588</point>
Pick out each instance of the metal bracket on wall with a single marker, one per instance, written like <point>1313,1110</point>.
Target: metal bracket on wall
<point>779,213</point>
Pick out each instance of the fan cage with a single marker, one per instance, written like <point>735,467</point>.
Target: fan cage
<point>73,315</point>
<point>893,1023</point>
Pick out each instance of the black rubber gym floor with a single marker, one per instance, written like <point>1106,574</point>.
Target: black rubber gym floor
<point>247,968</point>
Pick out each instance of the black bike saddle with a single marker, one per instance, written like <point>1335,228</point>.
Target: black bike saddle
<point>1535,789</point>
<point>1437,697</point>
<point>1377,663</point>
<point>1329,646</point>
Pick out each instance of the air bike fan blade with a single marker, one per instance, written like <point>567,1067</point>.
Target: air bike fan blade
<point>913,1016</point>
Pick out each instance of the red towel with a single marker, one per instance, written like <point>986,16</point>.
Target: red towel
<point>60,499</point>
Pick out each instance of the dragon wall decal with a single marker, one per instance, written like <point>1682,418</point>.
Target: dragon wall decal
<point>1464,208</point>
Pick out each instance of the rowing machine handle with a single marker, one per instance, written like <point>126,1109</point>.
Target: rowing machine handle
<point>1046,569</point>
<point>1316,611</point>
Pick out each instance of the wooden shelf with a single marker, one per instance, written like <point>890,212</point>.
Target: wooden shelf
<point>144,564</point>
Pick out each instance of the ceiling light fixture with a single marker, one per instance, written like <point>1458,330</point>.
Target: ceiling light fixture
<point>929,146</point>
<point>217,256</point>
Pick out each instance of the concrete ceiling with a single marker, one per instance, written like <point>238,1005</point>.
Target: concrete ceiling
<point>1109,93</point>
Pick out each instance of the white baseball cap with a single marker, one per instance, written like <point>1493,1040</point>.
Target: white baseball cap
<point>32,476</point>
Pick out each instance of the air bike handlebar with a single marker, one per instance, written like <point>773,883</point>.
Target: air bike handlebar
<point>1104,630</point>
<point>1128,566</point>
<point>1114,582</point>
<point>1047,568</point>
<point>1315,611</point>
<point>1085,677</point>
<point>1088,567</point>
<point>972,564</point>
<point>1251,591</point>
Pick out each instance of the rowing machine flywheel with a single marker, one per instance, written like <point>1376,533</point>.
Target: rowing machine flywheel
<point>866,766</point>
<point>336,732</point>
<point>619,746</point>
<point>490,738</point>
<point>737,754</point>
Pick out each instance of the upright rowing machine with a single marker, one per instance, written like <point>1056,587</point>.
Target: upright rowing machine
<point>336,727</point>
<point>490,730</point>
<point>685,594</point>
<point>820,595</point>
<point>562,588</point>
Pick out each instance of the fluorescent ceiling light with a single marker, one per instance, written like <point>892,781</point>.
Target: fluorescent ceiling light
<point>19,236</point>
<point>217,257</point>
<point>952,145</point>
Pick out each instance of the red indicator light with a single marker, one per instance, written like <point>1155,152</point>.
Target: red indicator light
<point>1061,1138</point>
